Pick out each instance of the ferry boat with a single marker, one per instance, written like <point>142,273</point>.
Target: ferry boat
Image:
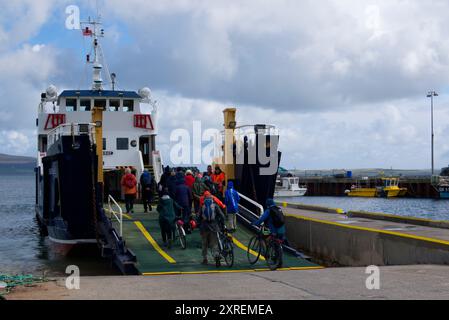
<point>85,140</point>
<point>289,187</point>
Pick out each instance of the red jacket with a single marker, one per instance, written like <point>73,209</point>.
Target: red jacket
<point>219,180</point>
<point>189,180</point>
<point>127,189</point>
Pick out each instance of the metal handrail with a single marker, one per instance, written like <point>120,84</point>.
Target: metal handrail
<point>256,204</point>
<point>60,130</point>
<point>114,213</point>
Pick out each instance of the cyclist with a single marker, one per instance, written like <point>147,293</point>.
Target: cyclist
<point>211,220</point>
<point>214,198</point>
<point>166,209</point>
<point>274,220</point>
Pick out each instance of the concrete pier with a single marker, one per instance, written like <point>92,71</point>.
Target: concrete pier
<point>400,282</point>
<point>361,241</point>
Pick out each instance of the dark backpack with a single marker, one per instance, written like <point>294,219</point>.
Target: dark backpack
<point>147,179</point>
<point>277,216</point>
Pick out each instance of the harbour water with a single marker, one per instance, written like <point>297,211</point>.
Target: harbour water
<point>420,208</point>
<point>24,250</point>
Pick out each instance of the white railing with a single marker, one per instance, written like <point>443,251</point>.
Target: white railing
<point>257,205</point>
<point>117,215</point>
<point>68,129</point>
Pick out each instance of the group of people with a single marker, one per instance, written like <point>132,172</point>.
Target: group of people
<point>196,199</point>
<point>193,197</point>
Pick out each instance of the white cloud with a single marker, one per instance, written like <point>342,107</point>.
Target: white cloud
<point>345,80</point>
<point>15,142</point>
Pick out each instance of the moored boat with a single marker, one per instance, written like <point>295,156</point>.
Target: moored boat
<point>85,139</point>
<point>289,187</point>
<point>362,192</point>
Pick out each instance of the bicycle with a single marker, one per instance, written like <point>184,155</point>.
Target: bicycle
<point>266,245</point>
<point>181,233</point>
<point>225,248</point>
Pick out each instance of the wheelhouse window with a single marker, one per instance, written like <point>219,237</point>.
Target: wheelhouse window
<point>85,105</point>
<point>122,143</point>
<point>104,144</point>
<point>100,103</point>
<point>70,105</point>
<point>128,105</point>
<point>114,105</point>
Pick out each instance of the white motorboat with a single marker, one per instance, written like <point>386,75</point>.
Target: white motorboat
<point>289,187</point>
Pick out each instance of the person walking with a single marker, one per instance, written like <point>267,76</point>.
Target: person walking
<point>171,184</point>
<point>218,177</point>
<point>183,197</point>
<point>217,201</point>
<point>212,187</point>
<point>129,183</point>
<point>163,181</point>
<point>166,210</point>
<point>209,171</point>
<point>189,179</point>
<point>198,189</point>
<point>146,187</point>
<point>232,200</point>
<point>211,217</point>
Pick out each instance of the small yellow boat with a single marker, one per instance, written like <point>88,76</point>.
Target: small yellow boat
<point>391,188</point>
<point>362,192</point>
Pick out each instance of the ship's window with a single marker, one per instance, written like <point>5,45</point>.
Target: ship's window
<point>104,144</point>
<point>128,105</point>
<point>85,105</point>
<point>70,105</point>
<point>114,105</point>
<point>122,143</point>
<point>100,103</point>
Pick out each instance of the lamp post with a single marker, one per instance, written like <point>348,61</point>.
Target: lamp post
<point>431,95</point>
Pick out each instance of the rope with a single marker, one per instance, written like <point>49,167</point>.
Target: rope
<point>18,280</point>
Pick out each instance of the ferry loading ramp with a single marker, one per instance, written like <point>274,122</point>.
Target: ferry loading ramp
<point>142,234</point>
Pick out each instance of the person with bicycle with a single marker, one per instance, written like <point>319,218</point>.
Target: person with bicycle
<point>211,221</point>
<point>273,219</point>
<point>167,217</point>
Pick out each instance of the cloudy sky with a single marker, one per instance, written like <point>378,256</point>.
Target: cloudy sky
<point>344,80</point>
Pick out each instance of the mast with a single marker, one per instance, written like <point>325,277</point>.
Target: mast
<point>92,28</point>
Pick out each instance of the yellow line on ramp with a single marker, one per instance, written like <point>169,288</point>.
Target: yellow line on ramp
<point>245,248</point>
<point>150,239</point>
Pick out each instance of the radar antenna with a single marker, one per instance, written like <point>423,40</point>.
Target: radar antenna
<point>93,29</point>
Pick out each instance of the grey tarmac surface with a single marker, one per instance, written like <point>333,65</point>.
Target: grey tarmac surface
<point>396,282</point>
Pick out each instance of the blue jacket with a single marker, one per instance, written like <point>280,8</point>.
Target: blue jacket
<point>266,217</point>
<point>171,186</point>
<point>183,194</point>
<point>232,199</point>
<point>146,179</point>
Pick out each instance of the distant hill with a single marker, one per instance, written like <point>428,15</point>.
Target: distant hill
<point>8,159</point>
<point>357,173</point>
<point>16,165</point>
